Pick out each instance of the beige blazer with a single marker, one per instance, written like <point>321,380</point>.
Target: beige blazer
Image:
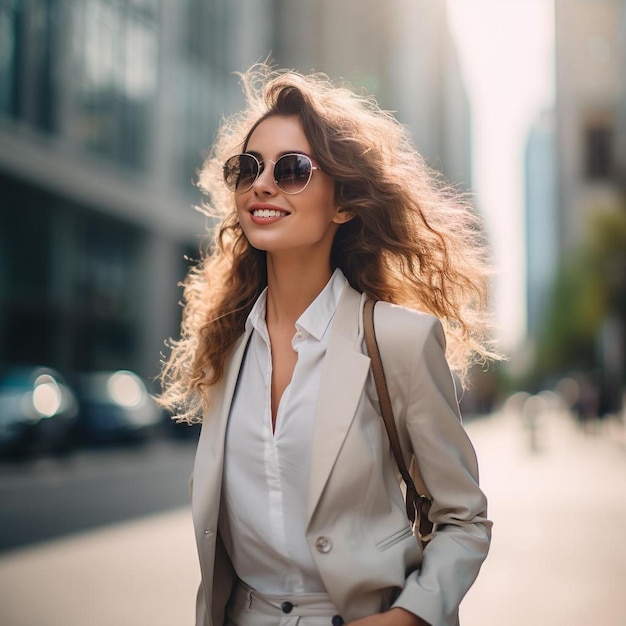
<point>357,528</point>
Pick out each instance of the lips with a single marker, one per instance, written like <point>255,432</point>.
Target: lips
<point>266,213</point>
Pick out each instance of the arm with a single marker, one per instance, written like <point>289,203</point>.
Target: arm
<point>430,427</point>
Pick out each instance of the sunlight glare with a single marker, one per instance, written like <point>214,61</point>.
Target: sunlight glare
<point>506,54</point>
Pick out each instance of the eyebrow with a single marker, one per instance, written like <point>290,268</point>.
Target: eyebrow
<point>259,156</point>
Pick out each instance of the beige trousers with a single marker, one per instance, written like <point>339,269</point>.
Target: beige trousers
<point>251,608</point>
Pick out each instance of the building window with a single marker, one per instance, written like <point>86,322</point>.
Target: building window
<point>599,158</point>
<point>113,81</point>
<point>87,70</point>
<point>29,36</point>
<point>8,66</point>
<point>69,281</point>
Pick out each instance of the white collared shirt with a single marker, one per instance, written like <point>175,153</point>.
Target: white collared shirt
<point>266,474</point>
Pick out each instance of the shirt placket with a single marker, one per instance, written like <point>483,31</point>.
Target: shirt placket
<point>272,464</point>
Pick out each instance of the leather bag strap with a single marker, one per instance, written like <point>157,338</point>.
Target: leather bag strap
<point>417,502</point>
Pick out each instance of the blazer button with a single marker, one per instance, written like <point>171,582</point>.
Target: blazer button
<point>323,544</point>
<point>286,607</point>
<point>337,620</point>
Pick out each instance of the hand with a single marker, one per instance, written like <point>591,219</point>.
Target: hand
<point>393,617</point>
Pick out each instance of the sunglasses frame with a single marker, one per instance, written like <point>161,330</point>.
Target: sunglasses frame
<point>261,169</point>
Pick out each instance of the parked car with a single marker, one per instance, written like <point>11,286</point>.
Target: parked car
<point>115,406</point>
<point>38,410</point>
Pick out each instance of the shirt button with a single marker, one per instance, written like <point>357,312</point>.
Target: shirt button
<point>323,544</point>
<point>286,607</point>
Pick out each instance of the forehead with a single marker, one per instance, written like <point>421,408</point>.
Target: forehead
<point>278,134</point>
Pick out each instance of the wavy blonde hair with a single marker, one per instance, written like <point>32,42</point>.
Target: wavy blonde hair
<point>414,240</point>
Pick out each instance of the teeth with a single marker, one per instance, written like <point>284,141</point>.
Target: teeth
<point>268,213</point>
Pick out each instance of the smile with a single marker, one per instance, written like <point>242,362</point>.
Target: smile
<point>269,213</point>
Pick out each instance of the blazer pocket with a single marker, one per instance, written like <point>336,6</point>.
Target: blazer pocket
<point>395,538</point>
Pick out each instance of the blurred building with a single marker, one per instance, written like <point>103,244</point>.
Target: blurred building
<point>590,110</point>
<point>591,166</point>
<point>106,110</point>
<point>402,52</point>
<point>542,229</point>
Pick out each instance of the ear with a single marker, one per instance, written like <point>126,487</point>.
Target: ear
<point>343,215</point>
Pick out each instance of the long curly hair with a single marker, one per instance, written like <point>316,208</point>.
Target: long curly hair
<point>414,241</point>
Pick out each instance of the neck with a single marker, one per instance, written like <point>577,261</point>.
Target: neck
<point>292,286</point>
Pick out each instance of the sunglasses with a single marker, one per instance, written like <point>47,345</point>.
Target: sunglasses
<point>292,172</point>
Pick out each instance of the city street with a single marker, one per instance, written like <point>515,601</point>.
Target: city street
<point>48,497</point>
<point>558,554</point>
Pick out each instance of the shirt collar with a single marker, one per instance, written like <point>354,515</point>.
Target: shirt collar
<point>316,318</point>
<point>256,317</point>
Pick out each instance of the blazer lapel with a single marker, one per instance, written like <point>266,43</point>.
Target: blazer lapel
<point>342,381</point>
<point>207,472</point>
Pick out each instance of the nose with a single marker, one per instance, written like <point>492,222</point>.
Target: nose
<point>265,183</point>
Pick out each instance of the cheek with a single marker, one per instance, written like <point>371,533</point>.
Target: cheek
<point>326,199</point>
<point>326,207</point>
<point>239,207</point>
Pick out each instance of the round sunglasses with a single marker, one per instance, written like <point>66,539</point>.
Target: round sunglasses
<point>292,172</point>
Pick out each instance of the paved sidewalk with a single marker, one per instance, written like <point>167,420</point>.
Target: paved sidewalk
<point>558,554</point>
<point>138,573</point>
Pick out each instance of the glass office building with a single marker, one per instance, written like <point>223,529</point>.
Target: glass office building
<point>106,110</point>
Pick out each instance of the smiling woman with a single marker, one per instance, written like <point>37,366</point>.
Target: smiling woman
<point>300,221</point>
<point>323,203</point>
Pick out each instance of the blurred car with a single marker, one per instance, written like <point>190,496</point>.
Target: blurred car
<point>38,410</point>
<point>114,407</point>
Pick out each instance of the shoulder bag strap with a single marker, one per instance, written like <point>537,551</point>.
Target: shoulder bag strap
<point>417,503</point>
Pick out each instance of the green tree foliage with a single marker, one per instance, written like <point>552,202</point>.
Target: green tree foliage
<point>606,256</point>
<point>590,286</point>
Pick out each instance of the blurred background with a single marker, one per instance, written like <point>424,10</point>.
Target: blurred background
<point>107,108</point>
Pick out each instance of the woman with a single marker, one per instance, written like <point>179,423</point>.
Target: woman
<point>298,514</point>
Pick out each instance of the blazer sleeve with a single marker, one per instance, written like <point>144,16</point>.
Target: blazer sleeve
<point>431,423</point>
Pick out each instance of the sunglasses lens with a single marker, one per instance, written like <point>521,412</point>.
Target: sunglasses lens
<point>240,172</point>
<point>292,172</point>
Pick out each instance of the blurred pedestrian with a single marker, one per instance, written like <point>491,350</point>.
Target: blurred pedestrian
<point>321,202</point>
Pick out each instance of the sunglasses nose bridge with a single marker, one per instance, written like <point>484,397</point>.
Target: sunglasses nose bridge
<point>263,172</point>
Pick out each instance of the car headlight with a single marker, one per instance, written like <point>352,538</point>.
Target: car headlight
<point>126,389</point>
<point>47,397</point>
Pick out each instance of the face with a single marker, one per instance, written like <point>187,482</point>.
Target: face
<point>277,222</point>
